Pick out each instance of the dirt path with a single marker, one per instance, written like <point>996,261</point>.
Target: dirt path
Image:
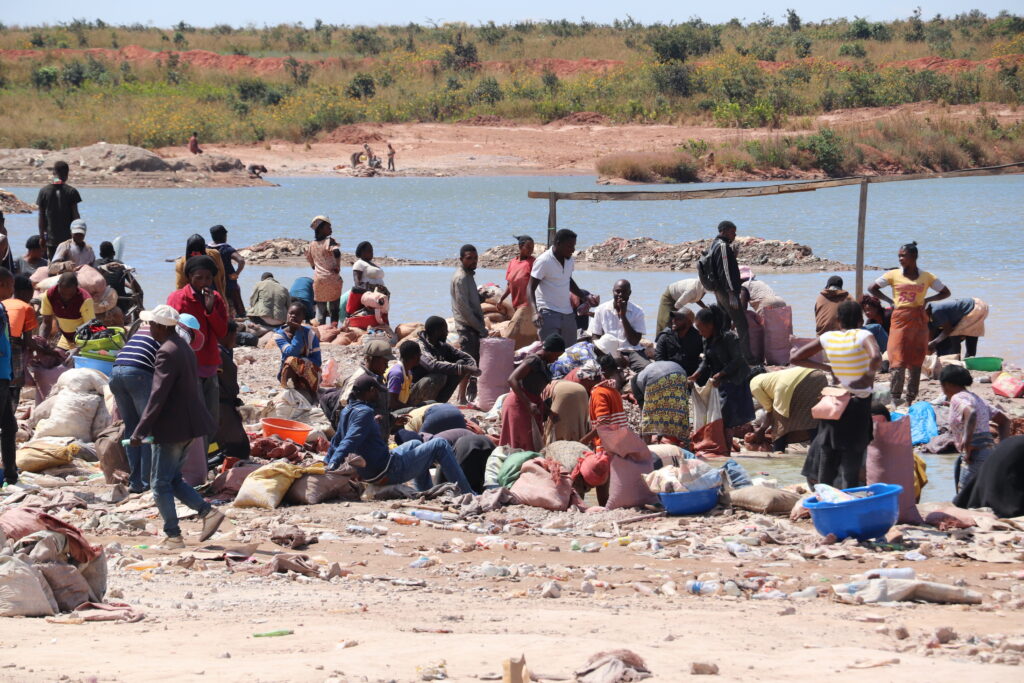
<point>508,148</point>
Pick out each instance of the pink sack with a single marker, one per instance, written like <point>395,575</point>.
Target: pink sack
<point>543,484</point>
<point>626,485</point>
<point>778,328</point>
<point>1008,386</point>
<point>496,364</point>
<point>193,470</point>
<point>755,335</point>
<point>622,441</point>
<point>92,281</point>
<point>797,343</point>
<point>376,300</point>
<point>890,460</point>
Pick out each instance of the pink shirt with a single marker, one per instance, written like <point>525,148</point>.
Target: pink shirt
<point>957,422</point>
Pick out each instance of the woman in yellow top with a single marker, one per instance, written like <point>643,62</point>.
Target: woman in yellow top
<point>908,331</point>
<point>788,396</point>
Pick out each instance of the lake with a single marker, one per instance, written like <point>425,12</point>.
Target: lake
<point>968,230</point>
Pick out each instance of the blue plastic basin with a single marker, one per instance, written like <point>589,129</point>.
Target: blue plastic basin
<point>860,518</point>
<point>104,366</point>
<point>689,502</point>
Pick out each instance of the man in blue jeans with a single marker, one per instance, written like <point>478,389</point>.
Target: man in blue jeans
<point>358,433</point>
<point>175,415</point>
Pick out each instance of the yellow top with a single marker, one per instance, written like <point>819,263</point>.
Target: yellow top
<point>774,390</point>
<point>907,293</point>
<point>849,359</point>
<point>416,417</point>
<point>86,312</point>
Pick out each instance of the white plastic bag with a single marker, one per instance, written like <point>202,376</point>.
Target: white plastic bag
<point>706,405</point>
<point>80,416</point>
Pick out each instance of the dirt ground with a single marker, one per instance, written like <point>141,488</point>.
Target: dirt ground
<point>503,148</point>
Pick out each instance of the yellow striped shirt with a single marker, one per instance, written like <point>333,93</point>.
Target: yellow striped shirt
<point>846,353</point>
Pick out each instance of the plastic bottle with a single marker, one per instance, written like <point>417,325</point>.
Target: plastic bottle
<point>427,515</point>
<point>591,548</point>
<point>423,562</point>
<point>406,520</point>
<point>274,634</point>
<point>125,442</point>
<point>810,592</point>
<point>891,573</point>
<point>701,587</point>
<point>575,545</point>
<point>357,529</point>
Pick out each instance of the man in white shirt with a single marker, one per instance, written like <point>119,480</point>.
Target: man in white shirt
<point>75,249</point>
<point>623,320</point>
<point>550,284</point>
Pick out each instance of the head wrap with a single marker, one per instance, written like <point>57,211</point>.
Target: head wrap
<point>200,262</point>
<point>589,370</point>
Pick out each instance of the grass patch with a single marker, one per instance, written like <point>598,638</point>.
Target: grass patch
<point>650,167</point>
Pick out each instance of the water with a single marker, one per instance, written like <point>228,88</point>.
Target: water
<point>968,230</point>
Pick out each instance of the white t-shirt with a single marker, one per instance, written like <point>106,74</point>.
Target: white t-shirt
<point>371,274</point>
<point>554,276</point>
<point>686,292</point>
<point>606,321</point>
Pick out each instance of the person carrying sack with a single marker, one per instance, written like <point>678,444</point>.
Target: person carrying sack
<point>836,456</point>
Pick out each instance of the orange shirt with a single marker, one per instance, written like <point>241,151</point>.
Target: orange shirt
<point>22,316</point>
<point>517,274</point>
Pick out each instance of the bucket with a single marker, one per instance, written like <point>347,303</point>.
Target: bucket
<point>984,363</point>
<point>104,366</point>
<point>860,518</point>
<point>689,502</point>
<point>289,430</point>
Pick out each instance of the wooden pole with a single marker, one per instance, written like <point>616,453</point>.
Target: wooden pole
<point>552,218</point>
<point>862,213</point>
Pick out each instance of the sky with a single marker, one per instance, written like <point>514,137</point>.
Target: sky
<point>260,12</point>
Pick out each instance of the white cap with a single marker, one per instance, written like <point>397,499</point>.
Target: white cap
<point>161,315</point>
<point>78,227</point>
<point>607,344</point>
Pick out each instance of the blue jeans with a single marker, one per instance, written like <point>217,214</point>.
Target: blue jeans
<point>881,336</point>
<point>412,460</point>
<point>168,485</point>
<point>131,388</point>
<point>563,324</point>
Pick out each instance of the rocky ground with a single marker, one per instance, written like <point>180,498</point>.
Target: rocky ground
<point>9,203</point>
<point>107,165</point>
<point>615,253</point>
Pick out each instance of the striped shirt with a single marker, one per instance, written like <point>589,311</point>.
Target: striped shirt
<point>849,359</point>
<point>139,352</point>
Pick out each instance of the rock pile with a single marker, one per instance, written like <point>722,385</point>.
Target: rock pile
<point>11,204</point>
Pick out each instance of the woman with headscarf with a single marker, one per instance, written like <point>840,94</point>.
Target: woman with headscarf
<point>196,246</point>
<point>826,307</point>
<point>523,410</point>
<point>788,397</point>
<point>198,298</point>
<point>877,320</point>
<point>606,410</point>
<point>725,367</point>
<point>908,332</point>
<point>300,353</point>
<point>324,257</point>
<point>836,456</point>
<point>517,275</point>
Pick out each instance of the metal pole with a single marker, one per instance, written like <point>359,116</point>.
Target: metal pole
<point>862,213</point>
<point>552,219</point>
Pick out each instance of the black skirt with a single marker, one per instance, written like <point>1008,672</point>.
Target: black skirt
<point>840,444</point>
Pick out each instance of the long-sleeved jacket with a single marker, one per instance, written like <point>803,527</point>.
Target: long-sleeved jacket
<point>466,302</point>
<point>213,324</point>
<point>686,351</point>
<point>442,358</point>
<point>722,354</point>
<point>269,300</point>
<point>723,256</point>
<point>358,433</point>
<point>176,411</point>
<point>305,343</point>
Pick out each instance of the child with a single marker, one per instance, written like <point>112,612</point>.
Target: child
<point>969,417</point>
<point>399,377</point>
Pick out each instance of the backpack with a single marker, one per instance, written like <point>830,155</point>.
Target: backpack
<point>706,270</point>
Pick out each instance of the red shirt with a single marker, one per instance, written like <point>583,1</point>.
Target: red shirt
<point>518,276</point>
<point>213,325</point>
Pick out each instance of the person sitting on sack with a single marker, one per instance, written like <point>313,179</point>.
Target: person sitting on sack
<point>175,415</point>
<point>826,307</point>
<point>300,353</point>
<point>268,304</point>
<point>442,366</point>
<point>624,320</point>
<point>358,434</point>
<point>402,392</point>
<point>377,354</point>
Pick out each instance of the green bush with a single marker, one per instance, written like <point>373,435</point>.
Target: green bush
<point>45,77</point>
<point>366,41</point>
<point>73,74</point>
<point>673,79</point>
<point>827,148</point>
<point>677,43</point>
<point>801,46</point>
<point>487,91</point>
<point>852,50</point>
<point>461,56</point>
<point>361,87</point>
<point>258,91</point>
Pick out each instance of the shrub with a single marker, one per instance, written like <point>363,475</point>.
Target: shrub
<point>550,80</point>
<point>361,87</point>
<point>801,46</point>
<point>650,167</point>
<point>673,79</point>
<point>852,50</point>
<point>45,77</point>
<point>487,91</point>
<point>366,41</point>
<point>677,43</point>
<point>299,71</point>
<point>257,90</point>
<point>793,20</point>
<point>827,148</point>
<point>461,56</point>
<point>491,34</point>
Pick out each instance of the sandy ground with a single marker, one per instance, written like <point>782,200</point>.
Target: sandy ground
<point>557,148</point>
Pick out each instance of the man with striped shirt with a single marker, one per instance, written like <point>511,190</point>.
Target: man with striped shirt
<point>131,383</point>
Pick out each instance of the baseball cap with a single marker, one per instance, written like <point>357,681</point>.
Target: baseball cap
<point>363,383</point>
<point>378,348</point>
<point>78,227</point>
<point>318,220</point>
<point>161,315</point>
